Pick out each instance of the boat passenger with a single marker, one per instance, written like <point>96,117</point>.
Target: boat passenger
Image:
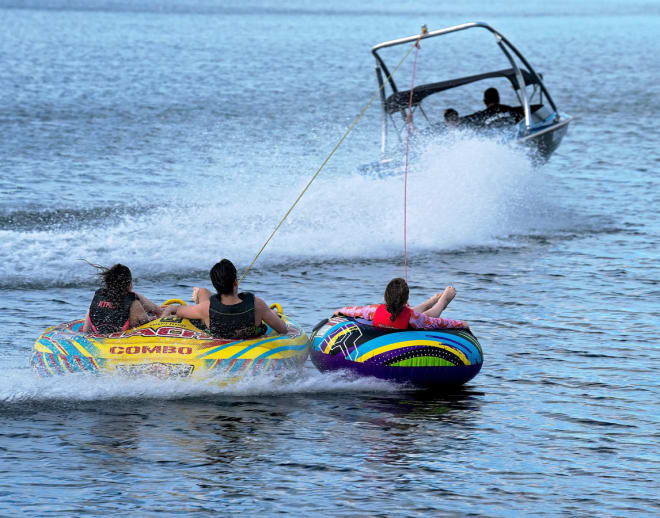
<point>396,313</point>
<point>116,307</point>
<point>228,313</point>
<point>451,118</point>
<point>494,115</point>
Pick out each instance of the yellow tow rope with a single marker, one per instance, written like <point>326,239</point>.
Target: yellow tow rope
<point>341,140</point>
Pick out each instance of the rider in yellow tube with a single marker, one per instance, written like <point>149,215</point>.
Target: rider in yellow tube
<point>228,313</point>
<point>116,307</point>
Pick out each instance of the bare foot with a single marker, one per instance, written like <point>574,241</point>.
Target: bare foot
<point>441,302</point>
<point>195,295</point>
<point>448,294</point>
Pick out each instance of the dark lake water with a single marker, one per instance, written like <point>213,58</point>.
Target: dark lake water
<point>170,134</point>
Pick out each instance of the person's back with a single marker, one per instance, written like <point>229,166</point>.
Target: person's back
<point>494,115</point>
<point>116,307</point>
<point>234,320</point>
<point>107,315</point>
<point>396,314</point>
<point>229,314</point>
<point>383,318</point>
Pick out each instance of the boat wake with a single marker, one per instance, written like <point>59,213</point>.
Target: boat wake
<point>21,387</point>
<point>462,192</point>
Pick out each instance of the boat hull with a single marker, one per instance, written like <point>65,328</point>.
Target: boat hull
<point>544,141</point>
<point>168,347</point>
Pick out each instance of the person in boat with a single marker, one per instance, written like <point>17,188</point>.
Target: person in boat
<point>494,115</point>
<point>228,313</point>
<point>451,118</point>
<point>396,313</point>
<point>116,307</point>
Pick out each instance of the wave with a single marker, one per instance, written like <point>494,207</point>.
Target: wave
<point>462,194</point>
<point>65,218</point>
<point>22,387</point>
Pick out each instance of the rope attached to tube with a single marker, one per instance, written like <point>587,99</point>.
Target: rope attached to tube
<point>341,140</point>
<point>409,118</point>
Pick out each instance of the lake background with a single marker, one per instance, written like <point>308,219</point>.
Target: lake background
<point>170,134</point>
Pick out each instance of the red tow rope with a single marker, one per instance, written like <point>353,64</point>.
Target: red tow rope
<point>405,176</point>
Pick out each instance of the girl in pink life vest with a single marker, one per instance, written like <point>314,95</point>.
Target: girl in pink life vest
<point>396,313</point>
<point>116,307</point>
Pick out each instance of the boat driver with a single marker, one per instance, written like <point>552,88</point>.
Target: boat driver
<point>229,314</point>
<point>494,115</point>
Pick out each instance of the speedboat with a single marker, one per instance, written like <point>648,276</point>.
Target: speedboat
<point>530,116</point>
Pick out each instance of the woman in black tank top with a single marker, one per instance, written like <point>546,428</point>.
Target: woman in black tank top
<point>115,307</point>
<point>106,315</point>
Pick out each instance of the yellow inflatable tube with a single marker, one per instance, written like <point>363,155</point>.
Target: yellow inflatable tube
<point>168,347</point>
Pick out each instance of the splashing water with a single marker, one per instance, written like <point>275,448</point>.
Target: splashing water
<point>463,192</point>
<point>22,386</point>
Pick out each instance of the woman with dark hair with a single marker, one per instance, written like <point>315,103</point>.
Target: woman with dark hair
<point>396,313</point>
<point>116,307</point>
<point>228,313</point>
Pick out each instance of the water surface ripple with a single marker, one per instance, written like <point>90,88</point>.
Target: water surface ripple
<point>170,134</point>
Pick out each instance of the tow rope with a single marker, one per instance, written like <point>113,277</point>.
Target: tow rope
<point>409,118</point>
<point>339,143</point>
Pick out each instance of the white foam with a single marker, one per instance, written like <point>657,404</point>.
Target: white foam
<point>24,386</point>
<point>461,192</point>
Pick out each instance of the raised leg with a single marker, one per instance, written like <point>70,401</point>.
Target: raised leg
<point>443,300</point>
